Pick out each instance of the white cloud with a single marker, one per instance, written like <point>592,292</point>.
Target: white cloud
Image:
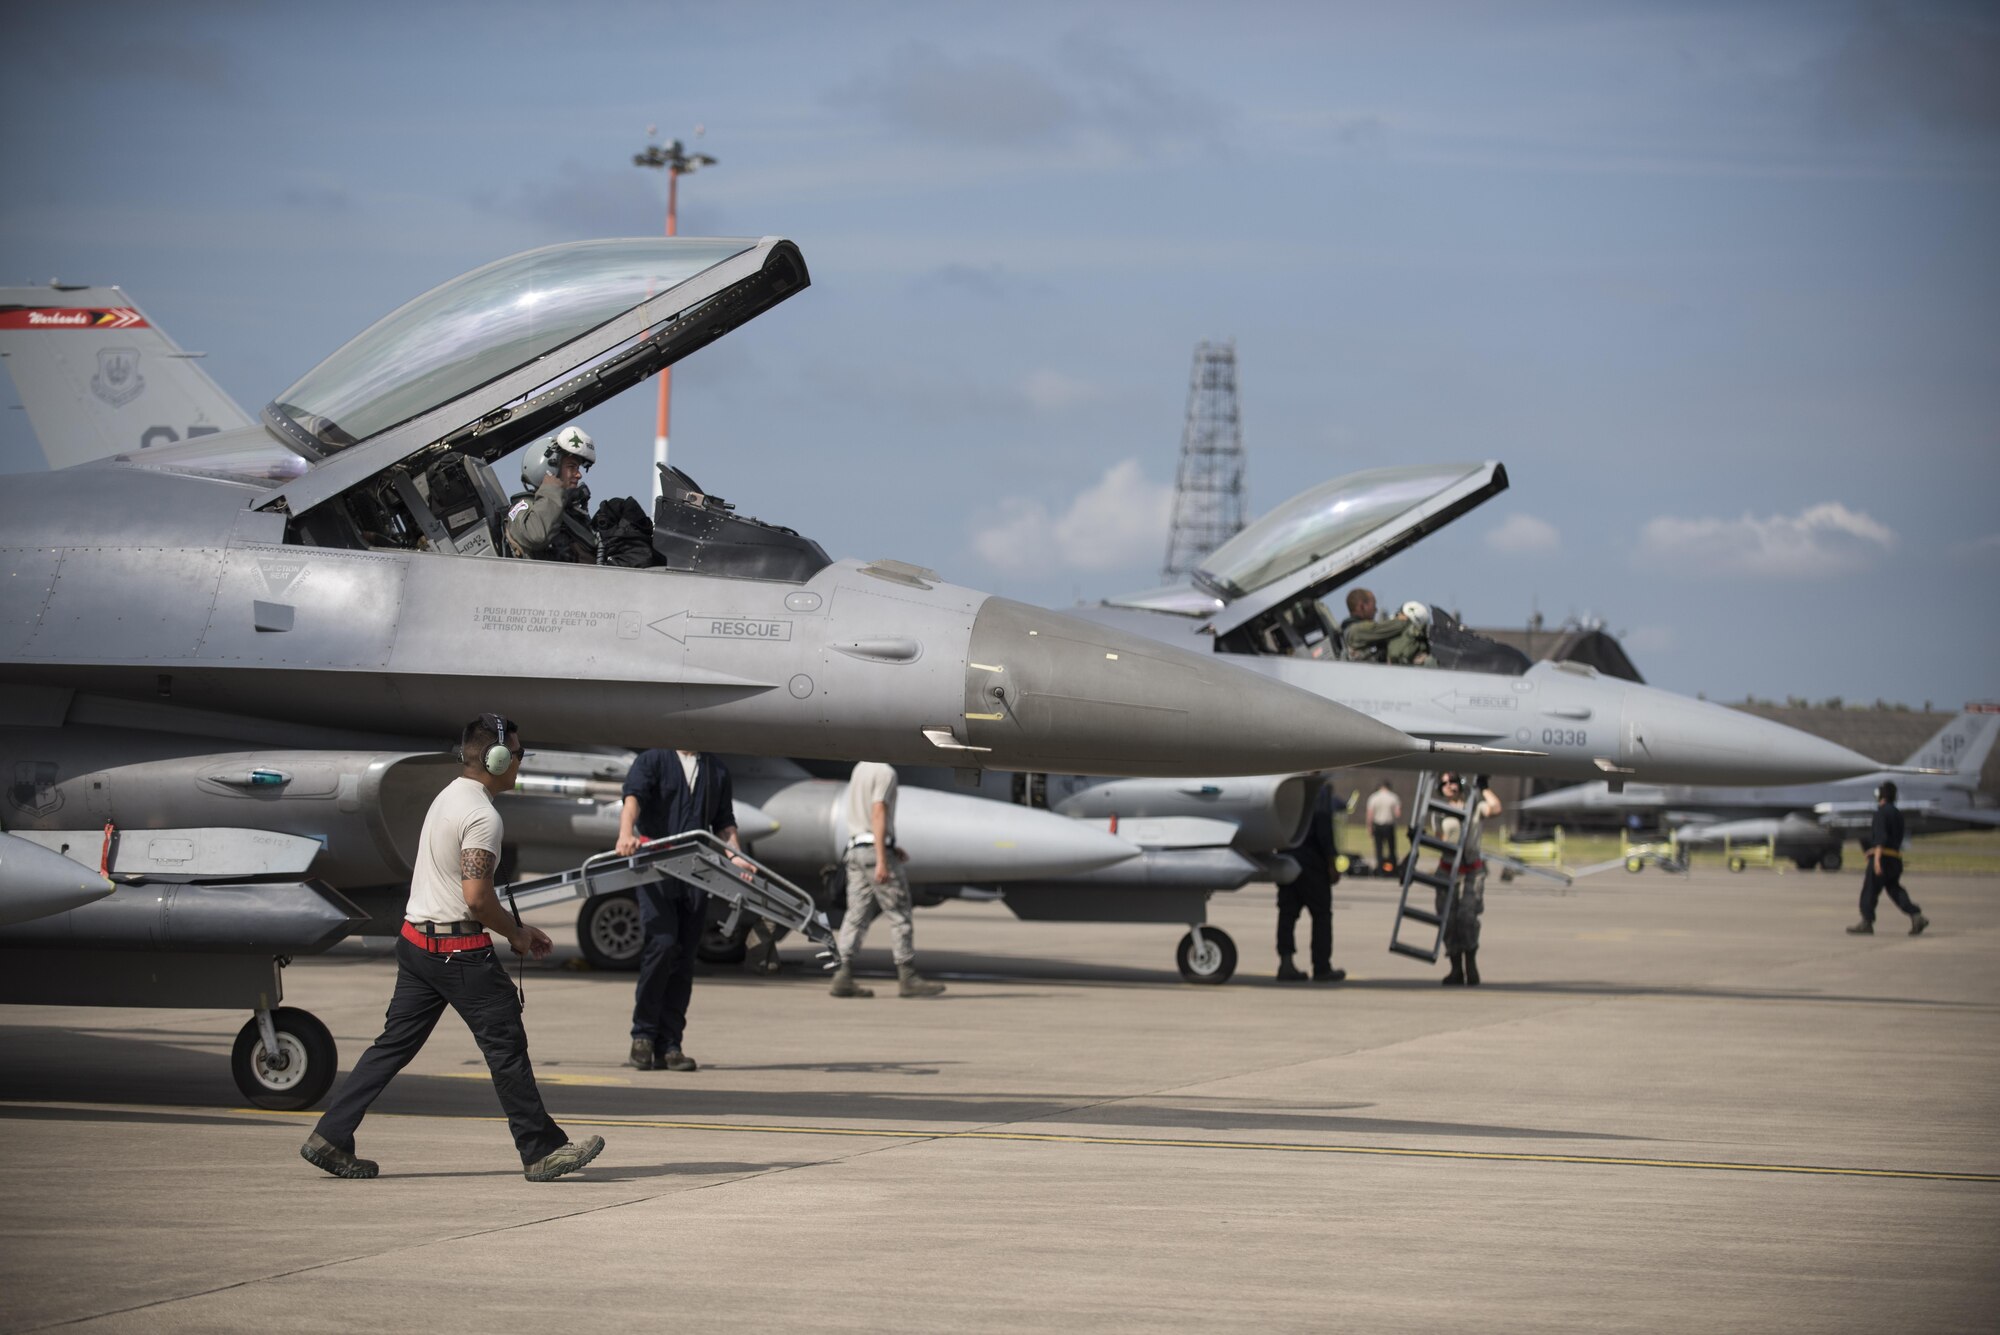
<point>1523,535</point>
<point>1053,391</point>
<point>1118,522</point>
<point>1820,541</point>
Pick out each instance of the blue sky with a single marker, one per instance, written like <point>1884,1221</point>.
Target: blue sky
<point>1719,282</point>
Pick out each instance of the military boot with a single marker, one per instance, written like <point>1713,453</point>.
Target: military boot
<point>642,1055</point>
<point>1917,924</point>
<point>1288,972</point>
<point>910,983</point>
<point>845,986</point>
<point>1456,978</point>
<point>572,1156</point>
<point>328,1157</point>
<point>1472,968</point>
<point>1862,928</point>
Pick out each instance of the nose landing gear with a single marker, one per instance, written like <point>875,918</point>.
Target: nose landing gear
<point>284,1059</point>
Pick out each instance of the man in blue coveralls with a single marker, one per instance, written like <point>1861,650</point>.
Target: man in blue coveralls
<point>669,793</point>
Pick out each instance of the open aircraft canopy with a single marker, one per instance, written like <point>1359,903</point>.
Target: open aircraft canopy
<point>513,349</point>
<point>1323,538</point>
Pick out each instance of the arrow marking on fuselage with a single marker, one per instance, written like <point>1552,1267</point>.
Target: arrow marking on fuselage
<point>680,627</point>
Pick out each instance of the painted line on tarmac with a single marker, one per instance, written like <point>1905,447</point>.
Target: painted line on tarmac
<point>1279,1147</point>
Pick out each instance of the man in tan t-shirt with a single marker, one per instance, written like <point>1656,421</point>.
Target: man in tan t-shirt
<point>876,884</point>
<point>445,958</point>
<point>1385,813</point>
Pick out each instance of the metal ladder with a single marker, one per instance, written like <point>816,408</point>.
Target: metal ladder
<point>1428,805</point>
<point>700,859</point>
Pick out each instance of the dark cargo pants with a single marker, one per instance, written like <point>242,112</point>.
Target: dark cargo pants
<point>1890,882</point>
<point>474,984</point>
<point>1316,899</point>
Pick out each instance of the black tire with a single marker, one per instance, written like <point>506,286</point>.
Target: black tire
<point>1829,861</point>
<point>1635,864</point>
<point>608,931</point>
<point>1736,863</point>
<point>311,1062</point>
<point>721,946</point>
<point>1805,862</point>
<point>1214,967</point>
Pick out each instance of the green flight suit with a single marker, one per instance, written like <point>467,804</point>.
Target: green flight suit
<point>1394,641</point>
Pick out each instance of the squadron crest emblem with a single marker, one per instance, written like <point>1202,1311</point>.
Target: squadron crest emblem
<point>34,791</point>
<point>117,381</point>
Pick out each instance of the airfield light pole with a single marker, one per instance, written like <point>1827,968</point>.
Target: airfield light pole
<point>677,162</point>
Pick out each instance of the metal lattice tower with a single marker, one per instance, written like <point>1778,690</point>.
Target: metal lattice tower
<point>1208,489</point>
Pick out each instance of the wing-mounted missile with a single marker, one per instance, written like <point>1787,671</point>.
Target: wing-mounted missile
<point>354,815</point>
<point>36,882</point>
<point>286,917</point>
<point>1265,812</point>
<point>950,838</point>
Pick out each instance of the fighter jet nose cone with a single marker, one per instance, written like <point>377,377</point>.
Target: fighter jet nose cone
<point>1669,739</point>
<point>1051,692</point>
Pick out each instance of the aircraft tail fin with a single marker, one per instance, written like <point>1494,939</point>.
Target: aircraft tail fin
<point>98,378</point>
<point>1962,745</point>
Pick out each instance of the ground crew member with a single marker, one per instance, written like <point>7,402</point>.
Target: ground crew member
<point>876,883</point>
<point>669,793</point>
<point>1385,813</point>
<point>1461,927</point>
<point>1312,891</point>
<point>1883,867</point>
<point>550,521</point>
<point>445,958</point>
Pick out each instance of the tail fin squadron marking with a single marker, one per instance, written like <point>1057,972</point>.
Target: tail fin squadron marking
<point>1962,745</point>
<point>98,378</point>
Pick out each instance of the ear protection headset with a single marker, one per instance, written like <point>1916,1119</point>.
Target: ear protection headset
<point>498,757</point>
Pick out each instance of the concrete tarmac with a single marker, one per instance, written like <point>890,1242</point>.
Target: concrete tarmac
<point>1677,1103</point>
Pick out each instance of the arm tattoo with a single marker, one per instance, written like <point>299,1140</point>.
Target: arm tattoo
<point>475,864</point>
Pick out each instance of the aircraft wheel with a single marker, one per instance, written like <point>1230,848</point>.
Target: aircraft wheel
<point>1736,863</point>
<point>308,1061</point>
<point>1212,964</point>
<point>1635,864</point>
<point>719,947</point>
<point>608,931</point>
<point>1804,862</point>
<point>1829,862</point>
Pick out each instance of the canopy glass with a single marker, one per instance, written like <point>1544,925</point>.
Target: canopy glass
<point>1322,521</point>
<point>484,324</point>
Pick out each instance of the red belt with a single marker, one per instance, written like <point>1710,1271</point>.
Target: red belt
<point>445,945</point>
<point>1469,866</point>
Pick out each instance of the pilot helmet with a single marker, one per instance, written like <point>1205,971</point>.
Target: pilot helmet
<point>1417,613</point>
<point>537,461</point>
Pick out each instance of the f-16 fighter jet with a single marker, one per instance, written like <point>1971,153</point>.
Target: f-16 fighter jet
<point>245,615</point>
<point>1259,600</point>
<point>1938,794</point>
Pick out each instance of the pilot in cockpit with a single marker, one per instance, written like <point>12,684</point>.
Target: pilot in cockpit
<point>550,519</point>
<point>1402,640</point>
